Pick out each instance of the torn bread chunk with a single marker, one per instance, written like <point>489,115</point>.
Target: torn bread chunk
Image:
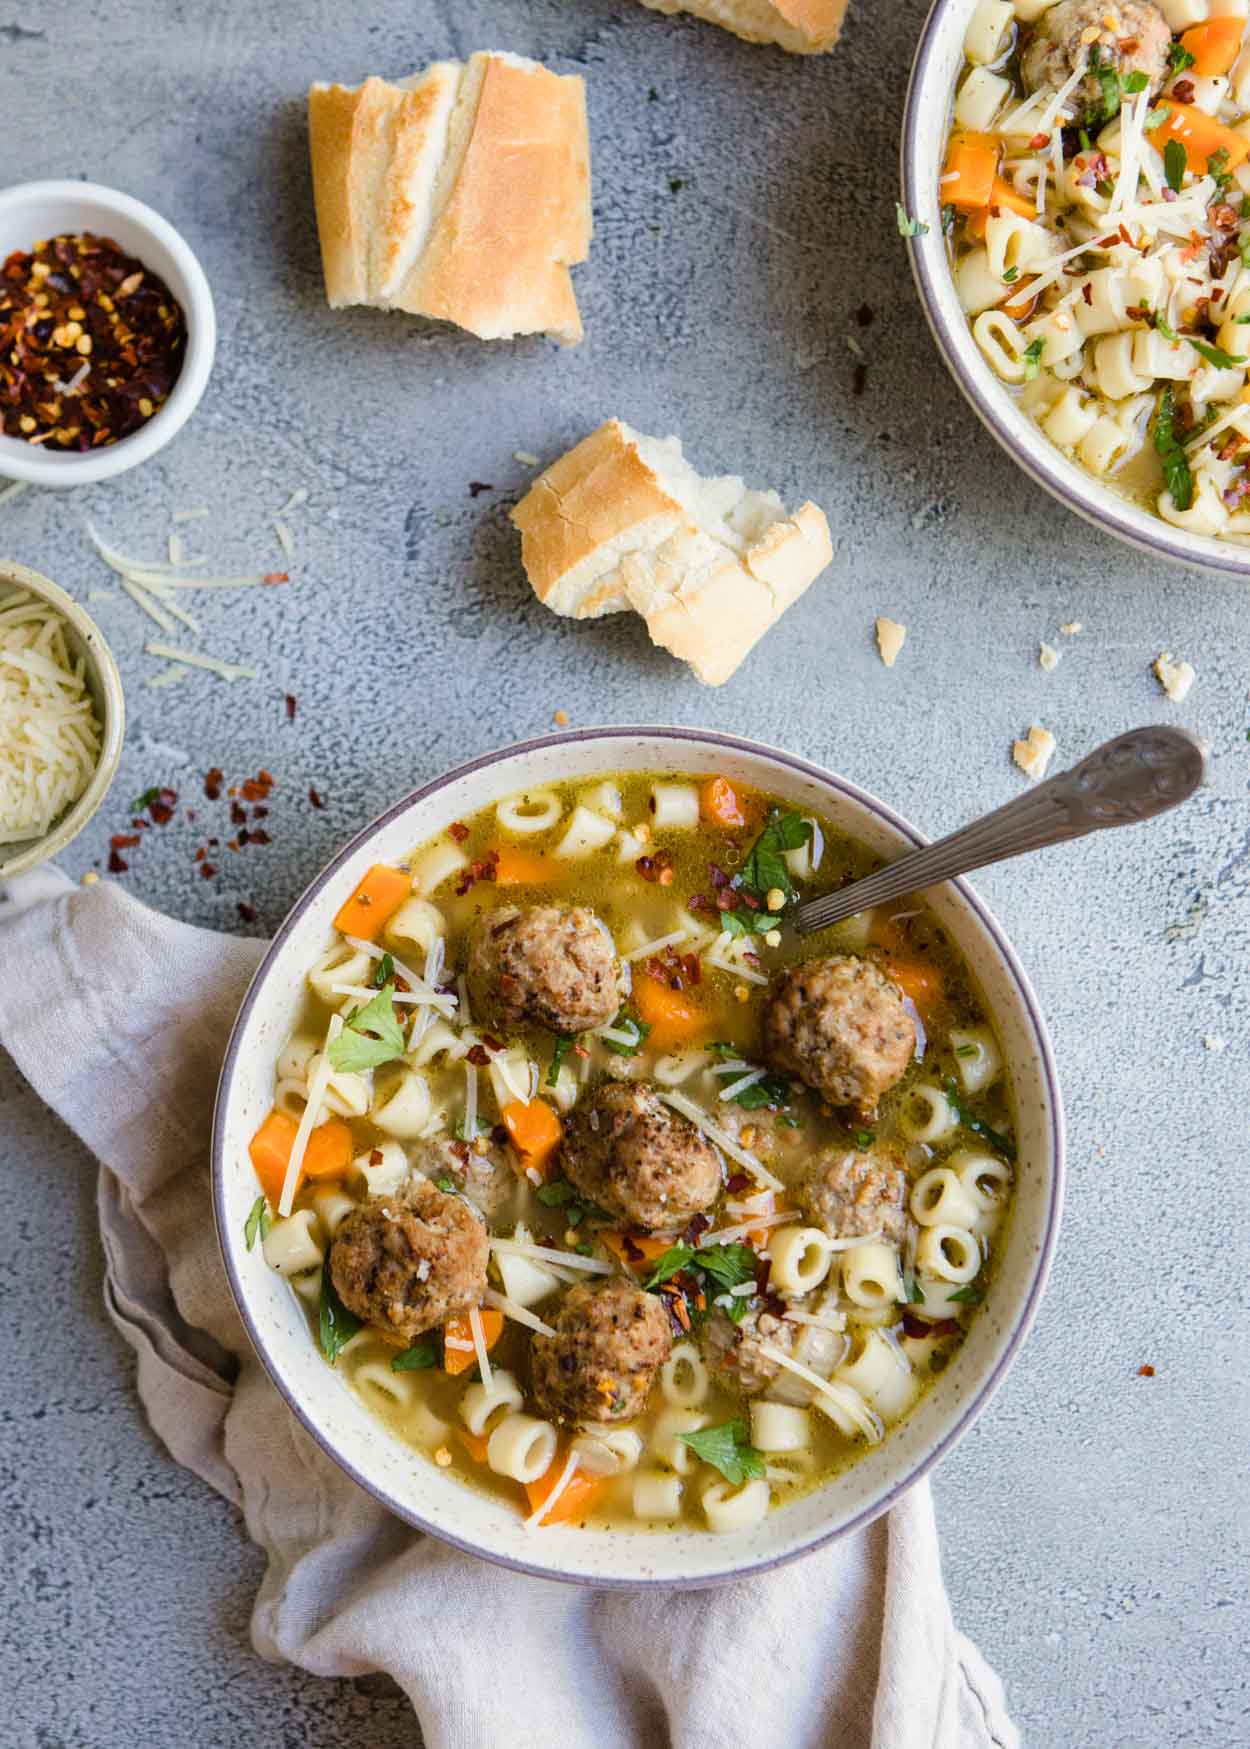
<point>462,194</point>
<point>1034,753</point>
<point>622,521</point>
<point>1174,677</point>
<point>804,27</point>
<point>890,639</point>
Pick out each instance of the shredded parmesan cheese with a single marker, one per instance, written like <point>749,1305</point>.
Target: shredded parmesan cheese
<point>479,1346</point>
<point>1047,656</point>
<point>518,1314</point>
<point>713,1131</point>
<point>547,1254</point>
<point>890,638</point>
<point>843,1397</point>
<point>308,1117</point>
<point>214,664</point>
<point>13,490</point>
<point>1034,754</point>
<point>1175,678</point>
<point>562,1481</point>
<point>49,735</point>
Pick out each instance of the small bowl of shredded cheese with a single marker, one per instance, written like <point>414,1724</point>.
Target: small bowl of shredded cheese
<point>61,718</point>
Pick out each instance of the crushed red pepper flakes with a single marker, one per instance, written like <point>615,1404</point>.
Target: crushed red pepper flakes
<point>213,781</point>
<point>314,799</point>
<point>477,487</point>
<point>117,864</point>
<point>91,343</point>
<point>207,870</point>
<point>289,701</point>
<point>458,831</point>
<point>124,840</point>
<point>1145,1372</point>
<point>247,912</point>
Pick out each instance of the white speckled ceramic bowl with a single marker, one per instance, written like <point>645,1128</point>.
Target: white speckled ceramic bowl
<point>939,59</point>
<point>33,210</point>
<point>104,683</point>
<point>415,1489</point>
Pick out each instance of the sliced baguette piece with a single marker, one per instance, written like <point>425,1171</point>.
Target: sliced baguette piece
<point>804,27</point>
<point>622,521</point>
<point>462,194</point>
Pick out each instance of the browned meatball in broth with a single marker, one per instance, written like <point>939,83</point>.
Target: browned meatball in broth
<point>854,1196</point>
<point>841,1026</point>
<point>608,1345</point>
<point>555,965</point>
<point>1130,36</point>
<point>638,1158</point>
<point>406,1263</point>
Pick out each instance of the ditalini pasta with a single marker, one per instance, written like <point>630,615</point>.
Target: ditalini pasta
<point>1096,200</point>
<point>604,1193</point>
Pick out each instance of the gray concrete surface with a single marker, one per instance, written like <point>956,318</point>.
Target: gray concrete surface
<point>1095,1522</point>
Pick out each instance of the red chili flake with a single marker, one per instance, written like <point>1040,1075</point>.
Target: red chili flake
<point>750,901</point>
<point>726,899</point>
<point>698,1225</point>
<point>139,825</point>
<point>162,811</point>
<point>1145,1372</point>
<point>1087,292</point>
<point>212,783</point>
<point>290,703</point>
<point>1183,91</point>
<point>124,840</point>
<point>719,878</point>
<point>276,577</point>
<point>580,1051</point>
<point>499,1135</point>
<point>632,1250</point>
<point>200,854</point>
<point>738,1182</point>
<point>458,831</point>
<point>256,835</point>
<point>260,813</point>
<point>207,870</point>
<point>699,902</point>
<point>314,798</point>
<point>491,1043</point>
<point>238,814</point>
<point>247,912</point>
<point>117,864</point>
<point>654,868</point>
<point>232,844</point>
<point>1038,141</point>
<point>919,1327</point>
<point>213,843</point>
<point>1223,216</point>
<point>461,1151</point>
<point>479,1057</point>
<point>477,487</point>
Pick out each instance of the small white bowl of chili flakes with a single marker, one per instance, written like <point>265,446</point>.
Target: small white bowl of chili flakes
<point>107,332</point>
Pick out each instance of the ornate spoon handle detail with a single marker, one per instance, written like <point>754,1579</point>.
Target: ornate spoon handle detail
<point>1121,783</point>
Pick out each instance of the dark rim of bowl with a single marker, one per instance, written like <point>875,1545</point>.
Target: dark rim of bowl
<point>989,399</point>
<point>970,1410</point>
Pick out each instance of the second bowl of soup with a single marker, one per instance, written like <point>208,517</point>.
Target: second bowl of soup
<point>590,1216</point>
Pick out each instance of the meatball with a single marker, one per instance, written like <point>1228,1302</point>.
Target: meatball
<point>600,1364</point>
<point>854,1195</point>
<point>1138,43</point>
<point>840,1025</point>
<point>407,1262</point>
<point>732,1351</point>
<point>638,1158</point>
<point>553,964</point>
<point>486,1178</point>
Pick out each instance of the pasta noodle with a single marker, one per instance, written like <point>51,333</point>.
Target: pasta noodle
<point>667,1445</point>
<point>405,1109</point>
<point>674,805</point>
<point>434,866</point>
<point>779,1427</point>
<point>586,832</point>
<point>524,815</point>
<point>382,1169</point>
<point>939,1199</point>
<point>731,1509</point>
<point>417,923</point>
<point>293,1243</point>
<point>927,1114</point>
<point>521,1447</point>
<point>949,1253</point>
<point>871,1276</point>
<point>482,1402</point>
<point>684,1379</point>
<point>800,1258</point>
<point>656,1495</point>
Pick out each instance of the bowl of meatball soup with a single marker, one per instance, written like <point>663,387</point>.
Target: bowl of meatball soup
<point>1076,197</point>
<point>593,1219</point>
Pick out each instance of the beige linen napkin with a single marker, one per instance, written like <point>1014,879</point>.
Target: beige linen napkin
<point>118,1017</point>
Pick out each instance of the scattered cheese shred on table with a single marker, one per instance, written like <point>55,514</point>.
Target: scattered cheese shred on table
<point>1034,753</point>
<point>1174,677</point>
<point>1048,656</point>
<point>49,733</point>
<point>891,637</point>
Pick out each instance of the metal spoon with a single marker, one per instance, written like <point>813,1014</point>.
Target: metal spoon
<point>1124,781</point>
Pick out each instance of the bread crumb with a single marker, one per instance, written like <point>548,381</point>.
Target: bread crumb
<point>442,1457</point>
<point>1072,628</point>
<point>90,878</point>
<point>561,718</point>
<point>891,637</point>
<point>1035,753</point>
<point>1048,656</point>
<point>1174,677</point>
<point>1212,1043</point>
<point>525,457</point>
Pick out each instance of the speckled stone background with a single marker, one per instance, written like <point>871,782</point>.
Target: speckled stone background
<point>1095,1522</point>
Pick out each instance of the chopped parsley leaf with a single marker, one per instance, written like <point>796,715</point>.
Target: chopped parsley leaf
<point>142,803</point>
<point>728,1450</point>
<point>1176,470</point>
<point>965,1050</point>
<point>1033,358</point>
<point>1011,275</point>
<point>384,973</point>
<point>1132,83</point>
<point>977,1125</point>
<point>724,1265</point>
<point>864,1138</point>
<point>907,226</point>
<point>1108,82</point>
<point>416,1359</point>
<point>1216,355</point>
<point>564,1044</point>
<point>1179,57</point>
<point>1175,164</point>
<point>445,1182</point>
<point>371,1035</point>
<point>913,1293</point>
<point>967,1296</point>
<point>765,867</point>
<point>637,1031</point>
<point>1156,117</point>
<point>335,1324</point>
<point>561,1195</point>
<point>747,922</point>
<point>257,1222</point>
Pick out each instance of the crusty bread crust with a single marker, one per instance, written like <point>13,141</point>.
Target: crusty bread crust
<point>601,533</point>
<point>462,195</point>
<point>804,27</point>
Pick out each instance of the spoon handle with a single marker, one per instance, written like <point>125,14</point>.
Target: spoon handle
<point>1127,780</point>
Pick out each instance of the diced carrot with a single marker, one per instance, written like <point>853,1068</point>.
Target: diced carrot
<point>458,1360</point>
<point>673,1018</point>
<point>1200,134</point>
<point>919,979</point>
<point>328,1154</point>
<point>1214,45</point>
<point>377,898</point>
<point>971,166</point>
<point>576,1500</point>
<point>522,868</point>
<point>640,1249</point>
<point>975,223</point>
<point>719,804</point>
<point>535,1131</point>
<point>474,1443</point>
